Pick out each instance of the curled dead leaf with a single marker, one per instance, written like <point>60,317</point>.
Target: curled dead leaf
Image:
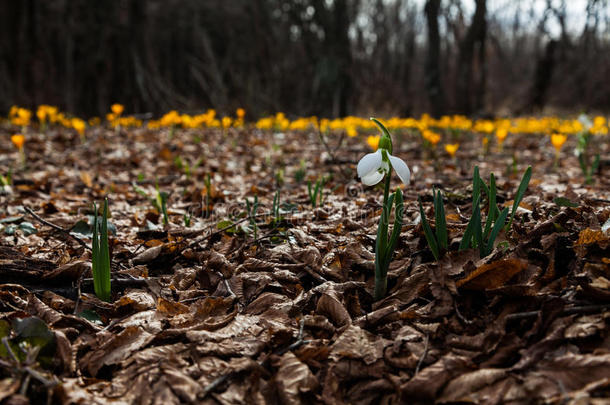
<point>492,275</point>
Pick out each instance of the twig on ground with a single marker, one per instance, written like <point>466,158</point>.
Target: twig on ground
<point>56,227</point>
<point>424,354</point>
<point>567,311</point>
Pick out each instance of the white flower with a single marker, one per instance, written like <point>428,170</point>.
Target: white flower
<point>585,121</point>
<point>374,166</point>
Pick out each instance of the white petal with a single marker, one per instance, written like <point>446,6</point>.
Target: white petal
<point>402,170</point>
<point>369,163</point>
<point>373,178</point>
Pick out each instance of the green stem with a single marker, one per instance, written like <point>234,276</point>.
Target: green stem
<point>381,262</point>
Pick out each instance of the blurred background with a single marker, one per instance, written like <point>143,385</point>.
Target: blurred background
<point>307,57</point>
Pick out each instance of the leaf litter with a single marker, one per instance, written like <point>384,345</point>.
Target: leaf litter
<point>207,314</point>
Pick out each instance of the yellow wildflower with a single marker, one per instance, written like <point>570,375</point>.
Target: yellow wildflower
<point>373,141</point>
<point>18,140</point>
<point>451,148</point>
<point>501,134</point>
<point>431,137</point>
<point>79,126</point>
<point>117,109</point>
<point>558,140</point>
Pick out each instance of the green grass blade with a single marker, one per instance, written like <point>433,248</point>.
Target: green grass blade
<point>491,212</point>
<point>105,256</point>
<point>95,255</point>
<point>310,193</point>
<point>595,165</point>
<point>484,187</point>
<point>495,231</point>
<point>476,185</point>
<point>520,193</point>
<point>478,232</point>
<point>441,222</point>
<point>468,233</point>
<point>428,232</point>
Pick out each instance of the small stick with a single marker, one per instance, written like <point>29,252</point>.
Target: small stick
<point>56,227</point>
<point>566,311</point>
<point>423,356</point>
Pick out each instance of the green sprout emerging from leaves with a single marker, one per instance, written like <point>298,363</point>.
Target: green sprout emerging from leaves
<point>316,193</point>
<point>588,167</point>
<point>160,203</point>
<point>252,208</point>
<point>100,256</point>
<point>477,234</point>
<point>438,240</point>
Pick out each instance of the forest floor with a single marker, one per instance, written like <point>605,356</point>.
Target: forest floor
<point>212,313</point>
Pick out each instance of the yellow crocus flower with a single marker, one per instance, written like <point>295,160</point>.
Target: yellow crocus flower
<point>451,148</point>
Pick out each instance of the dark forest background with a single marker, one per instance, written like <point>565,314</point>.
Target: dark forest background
<point>304,57</point>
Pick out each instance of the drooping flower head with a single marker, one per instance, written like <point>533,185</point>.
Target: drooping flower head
<point>374,166</point>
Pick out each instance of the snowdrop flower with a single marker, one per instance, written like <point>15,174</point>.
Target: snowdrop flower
<point>374,166</point>
<point>585,121</point>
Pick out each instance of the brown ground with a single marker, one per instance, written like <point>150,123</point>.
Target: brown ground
<point>202,315</point>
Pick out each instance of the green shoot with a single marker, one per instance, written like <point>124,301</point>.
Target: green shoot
<point>299,175</point>
<point>438,240</point>
<point>315,193</point>
<point>276,207</point>
<point>584,160</point>
<point>251,209</point>
<point>482,236</point>
<point>161,204</point>
<point>100,256</point>
<point>525,181</point>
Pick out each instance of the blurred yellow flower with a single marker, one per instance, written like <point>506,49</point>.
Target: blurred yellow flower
<point>241,113</point>
<point>451,148</point>
<point>558,140</point>
<point>501,134</point>
<point>373,141</point>
<point>79,125</point>
<point>117,109</point>
<point>226,122</point>
<point>18,140</point>
<point>431,137</point>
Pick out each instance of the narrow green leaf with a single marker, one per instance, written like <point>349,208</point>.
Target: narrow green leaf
<point>310,193</point>
<point>476,185</point>
<point>105,255</point>
<point>441,222</point>
<point>469,232</point>
<point>484,187</point>
<point>95,255</point>
<point>478,232</point>
<point>428,232</point>
<point>581,161</point>
<point>494,232</point>
<point>595,164</point>
<point>520,193</point>
<point>491,212</point>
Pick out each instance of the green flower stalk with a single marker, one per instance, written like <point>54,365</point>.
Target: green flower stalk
<point>372,168</point>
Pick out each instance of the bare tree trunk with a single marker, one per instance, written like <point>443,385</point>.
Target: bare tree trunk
<point>474,39</point>
<point>433,59</point>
